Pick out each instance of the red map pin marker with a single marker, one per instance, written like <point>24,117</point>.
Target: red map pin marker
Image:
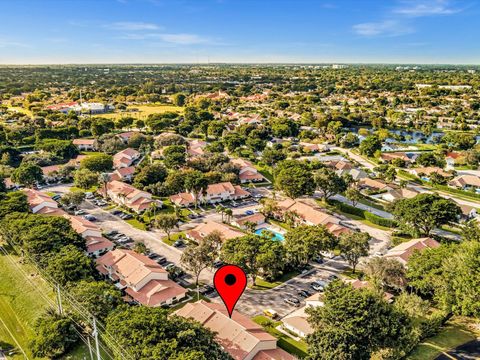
<point>230,282</point>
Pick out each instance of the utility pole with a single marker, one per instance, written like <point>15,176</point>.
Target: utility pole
<point>95,334</point>
<point>90,348</point>
<point>59,300</point>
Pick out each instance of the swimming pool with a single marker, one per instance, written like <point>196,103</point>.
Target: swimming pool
<point>276,236</point>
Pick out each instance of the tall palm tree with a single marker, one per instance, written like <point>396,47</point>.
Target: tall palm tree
<point>104,179</point>
<point>220,209</point>
<point>228,213</point>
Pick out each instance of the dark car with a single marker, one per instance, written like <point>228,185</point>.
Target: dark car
<point>304,293</point>
<point>161,260</point>
<point>116,212</point>
<point>217,264</point>
<point>207,289</point>
<point>333,277</point>
<point>126,216</point>
<point>178,243</point>
<point>153,256</point>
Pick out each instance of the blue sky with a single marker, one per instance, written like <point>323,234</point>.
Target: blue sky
<point>171,31</point>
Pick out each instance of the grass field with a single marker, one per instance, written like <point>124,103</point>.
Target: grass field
<point>261,284</point>
<point>298,348</point>
<point>20,110</point>
<point>143,111</point>
<point>22,301</point>
<point>455,333</point>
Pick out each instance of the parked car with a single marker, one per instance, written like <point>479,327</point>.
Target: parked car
<point>291,301</point>
<point>116,212</point>
<point>207,289</point>
<point>318,259</point>
<point>89,195</point>
<point>333,277</point>
<point>270,313</point>
<point>178,243</point>
<point>217,264</point>
<point>317,287</point>
<point>56,197</point>
<point>90,217</point>
<point>80,212</point>
<point>249,212</point>
<point>102,203</point>
<point>161,260</point>
<point>110,234</point>
<point>153,256</point>
<point>304,293</point>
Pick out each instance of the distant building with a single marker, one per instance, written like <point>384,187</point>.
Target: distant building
<point>125,158</point>
<point>85,144</point>
<point>215,193</point>
<point>129,196</point>
<point>248,172</point>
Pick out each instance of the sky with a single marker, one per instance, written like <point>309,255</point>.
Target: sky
<point>239,31</point>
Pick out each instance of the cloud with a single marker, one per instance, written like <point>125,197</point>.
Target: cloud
<point>426,8</point>
<point>4,43</point>
<point>382,28</point>
<point>133,26</point>
<point>178,39</point>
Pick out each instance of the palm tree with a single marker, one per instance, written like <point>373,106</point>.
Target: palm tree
<point>220,209</point>
<point>104,179</point>
<point>228,213</point>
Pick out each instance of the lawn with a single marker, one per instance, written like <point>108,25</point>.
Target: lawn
<point>265,170</point>
<point>21,305</point>
<point>455,333</point>
<point>298,348</point>
<point>144,111</point>
<point>20,110</point>
<point>261,284</point>
<point>173,237</point>
<point>136,224</point>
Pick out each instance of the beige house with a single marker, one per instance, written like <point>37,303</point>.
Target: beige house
<point>205,229</point>
<point>257,219</point>
<point>214,193</point>
<point>126,195</point>
<point>248,172</point>
<point>403,251</point>
<point>38,200</point>
<point>398,194</point>
<point>85,144</point>
<point>96,243</point>
<point>298,325</point>
<point>142,278</point>
<point>465,182</point>
<point>125,158</point>
<point>239,336</point>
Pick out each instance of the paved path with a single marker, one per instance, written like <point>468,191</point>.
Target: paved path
<point>361,160</point>
<point>368,208</point>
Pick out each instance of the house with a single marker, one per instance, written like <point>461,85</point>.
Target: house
<point>76,161</point>
<point>145,281</point>
<point>96,243</point>
<point>248,172</point>
<point>311,215</point>
<point>451,158</point>
<point>314,148</point>
<point>356,174</point>
<point>374,185</point>
<point>403,251</point>
<point>257,219</point>
<point>466,182</point>
<point>38,200</point>
<point>214,193</point>
<point>85,144</point>
<point>125,158</point>
<point>123,174</point>
<point>196,147</point>
<point>388,157</point>
<point>227,232</point>
<point>126,195</point>
<point>339,165</point>
<point>359,284</point>
<point>298,325</point>
<point>398,194</point>
<point>428,171</point>
<point>468,212</point>
<point>125,136</point>
<point>51,173</point>
<point>239,336</point>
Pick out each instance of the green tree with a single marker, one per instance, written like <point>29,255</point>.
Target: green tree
<point>354,195</point>
<point>179,99</point>
<point>99,298</point>
<point>150,174</point>
<point>387,273</point>
<point>355,323</point>
<point>97,163</point>
<point>195,182</point>
<point>55,336</point>
<point>304,243</point>
<point>353,246</point>
<point>197,258</point>
<point>85,179</point>
<point>424,212</point>
<point>370,145</point>
<point>13,202</point>
<point>150,333</point>
<point>27,174</point>
<point>174,156</point>
<point>328,183</point>
<point>294,179</point>
<point>254,253</point>
<point>70,265</point>
<point>166,222</point>
<point>74,198</point>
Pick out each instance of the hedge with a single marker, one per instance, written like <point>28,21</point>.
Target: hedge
<point>374,219</point>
